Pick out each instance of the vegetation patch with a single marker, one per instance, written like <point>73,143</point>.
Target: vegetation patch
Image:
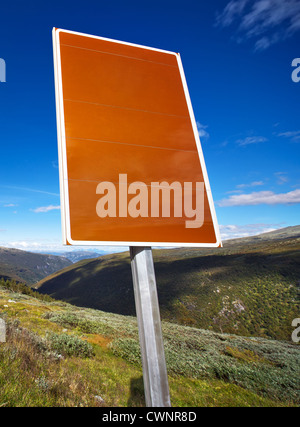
<point>246,356</point>
<point>22,288</point>
<point>266,367</point>
<point>69,345</point>
<point>60,355</point>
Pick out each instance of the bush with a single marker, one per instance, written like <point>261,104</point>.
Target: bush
<point>270,368</point>
<point>22,288</point>
<point>69,345</point>
<point>105,324</point>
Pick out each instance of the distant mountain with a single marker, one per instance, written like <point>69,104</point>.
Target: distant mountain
<point>249,287</point>
<point>75,256</point>
<point>281,233</point>
<point>28,267</point>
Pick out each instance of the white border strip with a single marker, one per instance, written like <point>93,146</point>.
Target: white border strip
<point>63,172</point>
<point>200,152</point>
<point>60,124</point>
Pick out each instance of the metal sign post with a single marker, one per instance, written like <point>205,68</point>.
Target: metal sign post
<point>142,183</point>
<point>2,330</point>
<point>152,349</point>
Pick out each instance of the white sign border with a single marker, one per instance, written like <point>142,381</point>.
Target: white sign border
<point>62,156</point>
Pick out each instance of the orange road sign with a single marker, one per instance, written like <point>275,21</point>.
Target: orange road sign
<point>132,171</point>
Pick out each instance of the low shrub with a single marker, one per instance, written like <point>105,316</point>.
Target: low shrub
<point>69,345</point>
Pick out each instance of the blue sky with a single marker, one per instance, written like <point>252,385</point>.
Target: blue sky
<point>237,57</point>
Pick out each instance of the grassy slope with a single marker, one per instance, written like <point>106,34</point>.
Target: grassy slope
<point>250,287</point>
<point>28,267</point>
<point>205,368</point>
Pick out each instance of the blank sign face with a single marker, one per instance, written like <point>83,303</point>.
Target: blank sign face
<point>132,170</point>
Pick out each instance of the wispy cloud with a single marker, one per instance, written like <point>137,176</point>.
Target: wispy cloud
<point>240,187</point>
<point>10,205</point>
<point>251,140</point>
<point>252,184</point>
<point>202,130</point>
<point>281,177</point>
<point>232,11</point>
<point>292,135</point>
<point>262,198</point>
<point>32,190</point>
<point>45,209</point>
<point>265,21</point>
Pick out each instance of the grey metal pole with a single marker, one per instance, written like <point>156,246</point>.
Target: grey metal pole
<point>153,356</point>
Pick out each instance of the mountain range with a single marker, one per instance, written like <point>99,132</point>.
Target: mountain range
<point>77,255</point>
<point>249,287</point>
<point>29,267</point>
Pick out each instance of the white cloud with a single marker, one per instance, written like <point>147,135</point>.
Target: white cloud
<point>10,205</point>
<point>265,21</point>
<point>45,209</point>
<point>237,231</point>
<point>251,140</point>
<point>262,197</point>
<point>22,245</point>
<point>49,246</point>
<point>201,130</point>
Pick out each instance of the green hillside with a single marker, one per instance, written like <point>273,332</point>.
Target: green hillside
<point>28,267</point>
<point>250,287</point>
<point>57,354</point>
